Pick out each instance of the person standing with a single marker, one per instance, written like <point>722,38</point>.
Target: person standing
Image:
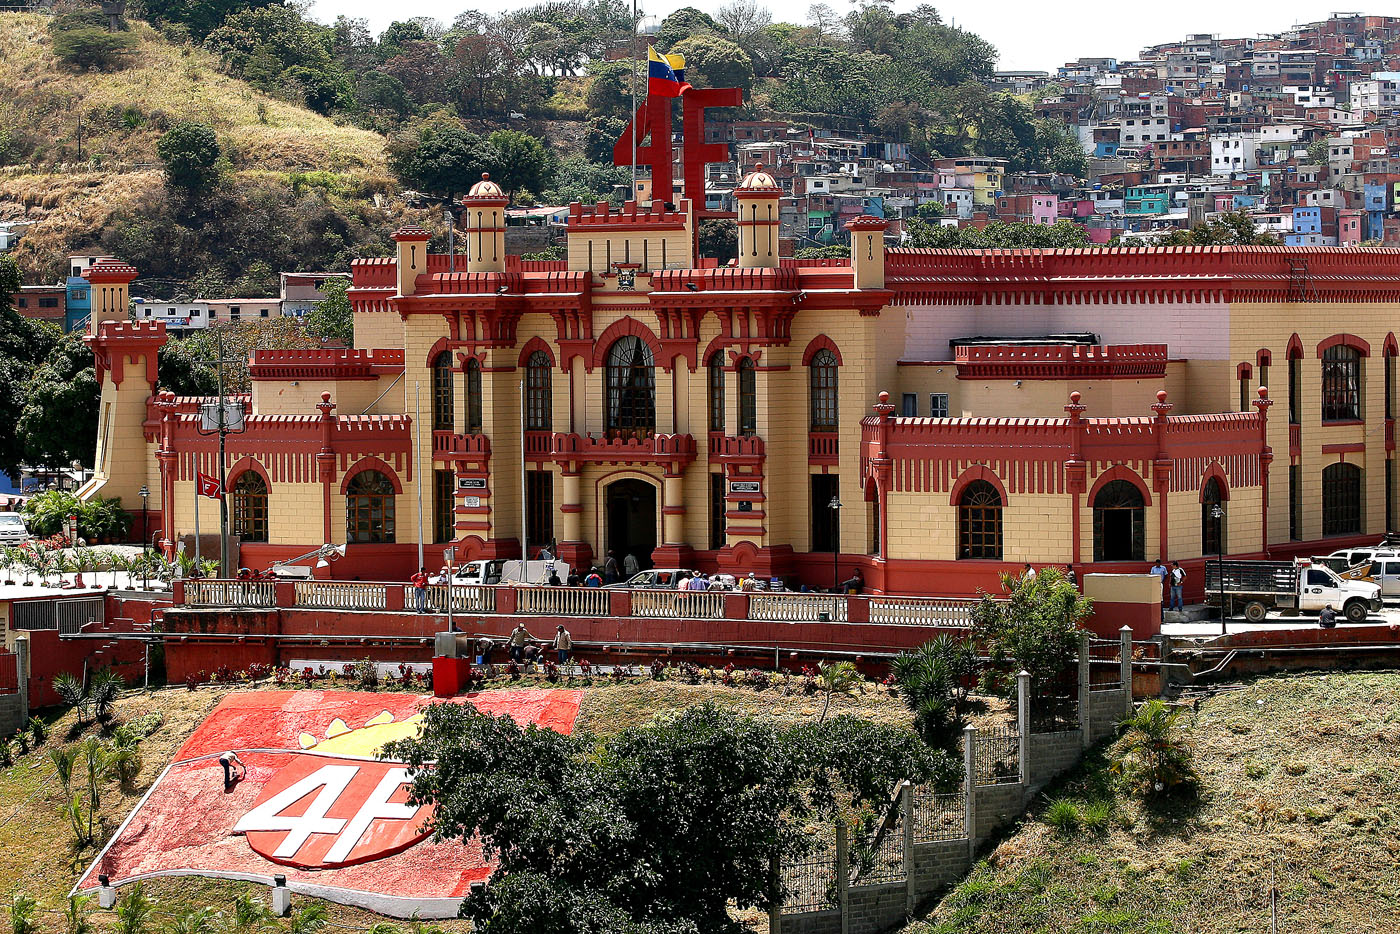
<point>420,589</point>
<point>519,638</point>
<point>563,644</point>
<point>1159,571</point>
<point>1176,580</point>
<point>1028,575</point>
<point>1071,576</point>
<point>630,566</point>
<point>610,569</point>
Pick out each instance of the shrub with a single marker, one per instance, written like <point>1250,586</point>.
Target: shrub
<point>104,687</point>
<point>1095,815</point>
<point>70,690</point>
<point>22,914</point>
<point>75,915</point>
<point>1153,757</point>
<point>63,760</point>
<point>90,47</point>
<point>1036,628</point>
<point>933,681</point>
<point>365,672</point>
<point>7,755</point>
<point>97,518</point>
<point>133,910</point>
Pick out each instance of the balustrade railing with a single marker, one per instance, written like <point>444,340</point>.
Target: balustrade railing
<point>797,607</point>
<point>229,593</point>
<point>682,604</point>
<point>464,599</point>
<point>562,601</point>
<point>921,611</point>
<point>341,595</point>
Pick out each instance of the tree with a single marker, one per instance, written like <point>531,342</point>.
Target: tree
<point>836,678</point>
<point>187,366</point>
<point>521,161</point>
<point>439,156</point>
<point>744,20</point>
<point>23,345</point>
<point>683,24</point>
<point>585,182</point>
<point>59,418</point>
<point>333,319</point>
<point>609,91</point>
<point>997,235</point>
<point>1036,629</point>
<point>191,153</point>
<point>719,239</point>
<point>713,61</point>
<point>930,210</point>
<point>654,830</point>
<point>1229,228</point>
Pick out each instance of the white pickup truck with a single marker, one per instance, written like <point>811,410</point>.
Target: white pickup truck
<point>1299,587</point>
<point>501,571</point>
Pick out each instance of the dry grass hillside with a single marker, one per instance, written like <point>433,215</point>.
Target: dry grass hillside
<point>1300,798</point>
<point>120,115</point>
<point>123,112</point>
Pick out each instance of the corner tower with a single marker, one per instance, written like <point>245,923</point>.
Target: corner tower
<point>485,217</point>
<point>412,257</point>
<point>757,197</point>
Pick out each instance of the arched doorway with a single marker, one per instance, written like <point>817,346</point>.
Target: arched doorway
<point>631,520</point>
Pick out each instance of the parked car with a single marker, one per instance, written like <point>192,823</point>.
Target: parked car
<point>12,529</point>
<point>501,571</point>
<point>1302,586</point>
<point>655,579</point>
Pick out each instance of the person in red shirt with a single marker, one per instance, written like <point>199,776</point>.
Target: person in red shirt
<point>420,589</point>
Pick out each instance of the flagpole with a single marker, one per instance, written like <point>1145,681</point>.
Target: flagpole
<point>196,515</point>
<point>636,24</point>
<point>418,474</point>
<point>451,557</point>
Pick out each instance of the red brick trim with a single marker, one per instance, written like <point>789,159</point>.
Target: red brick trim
<point>1391,347</point>
<point>1264,358</point>
<point>821,342</point>
<point>977,472</point>
<point>532,345</point>
<point>626,327</point>
<point>1119,472</point>
<point>1244,371</point>
<point>1295,348</point>
<point>371,463</point>
<point>1344,340</point>
<point>242,466</point>
<point>1214,470</point>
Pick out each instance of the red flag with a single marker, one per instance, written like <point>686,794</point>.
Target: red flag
<point>208,486</point>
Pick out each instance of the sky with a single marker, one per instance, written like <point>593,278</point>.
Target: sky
<point>1029,34</point>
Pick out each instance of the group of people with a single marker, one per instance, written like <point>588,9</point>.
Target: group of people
<point>1172,580</point>
<point>525,649</point>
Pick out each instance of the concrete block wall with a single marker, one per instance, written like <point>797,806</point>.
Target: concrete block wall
<point>13,714</point>
<point>1053,753</point>
<point>1106,710</point>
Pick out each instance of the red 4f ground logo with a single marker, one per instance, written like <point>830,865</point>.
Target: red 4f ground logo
<point>319,812</point>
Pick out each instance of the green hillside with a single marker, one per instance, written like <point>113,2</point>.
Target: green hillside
<point>1301,795</point>
<point>283,161</point>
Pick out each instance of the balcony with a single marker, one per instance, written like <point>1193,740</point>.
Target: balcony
<point>449,442</point>
<point>823,447</point>
<point>736,449</point>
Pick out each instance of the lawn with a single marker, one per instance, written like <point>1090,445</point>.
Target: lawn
<point>1300,797</point>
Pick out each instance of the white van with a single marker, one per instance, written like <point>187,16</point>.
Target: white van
<point>12,529</point>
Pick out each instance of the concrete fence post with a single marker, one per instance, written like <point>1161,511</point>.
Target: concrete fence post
<point>970,788</point>
<point>1125,666</point>
<point>1023,723</point>
<point>843,875</point>
<point>1086,733</point>
<point>775,907</point>
<point>906,808</point>
<point>22,676</point>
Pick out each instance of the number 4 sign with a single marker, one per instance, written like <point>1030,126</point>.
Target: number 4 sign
<point>333,815</point>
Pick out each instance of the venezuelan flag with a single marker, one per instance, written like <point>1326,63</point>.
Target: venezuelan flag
<point>665,74</point>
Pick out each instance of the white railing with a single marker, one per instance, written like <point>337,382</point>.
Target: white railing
<point>229,593</point>
<point>342,595</point>
<point>464,599</point>
<point>797,607</point>
<point>921,611</point>
<point>562,601</point>
<point>683,604</point>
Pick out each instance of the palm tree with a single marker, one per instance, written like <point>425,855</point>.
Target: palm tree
<point>1153,755</point>
<point>75,915</point>
<point>249,914</point>
<point>308,920</point>
<point>933,682</point>
<point>22,914</point>
<point>63,760</point>
<point>194,921</point>
<point>838,678</point>
<point>70,690</point>
<point>133,910</point>
<point>103,687</point>
<point>10,556</point>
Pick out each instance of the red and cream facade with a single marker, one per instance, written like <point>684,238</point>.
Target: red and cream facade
<point>634,398</point>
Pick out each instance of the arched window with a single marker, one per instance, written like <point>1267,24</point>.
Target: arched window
<point>250,507</point>
<point>1212,527</point>
<point>716,374</point>
<point>979,521</point>
<point>823,390</point>
<point>442,392</point>
<point>1120,522</point>
<point>1341,383</point>
<point>748,398</point>
<point>473,397</point>
<point>631,375</point>
<point>369,509</point>
<point>1341,499</point>
<point>539,399</point>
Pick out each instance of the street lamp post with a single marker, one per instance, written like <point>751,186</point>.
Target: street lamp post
<point>145,495</point>
<point>1217,515</point>
<point>835,507</point>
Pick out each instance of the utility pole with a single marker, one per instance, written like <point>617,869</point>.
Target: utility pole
<point>221,424</point>
<point>632,68</point>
